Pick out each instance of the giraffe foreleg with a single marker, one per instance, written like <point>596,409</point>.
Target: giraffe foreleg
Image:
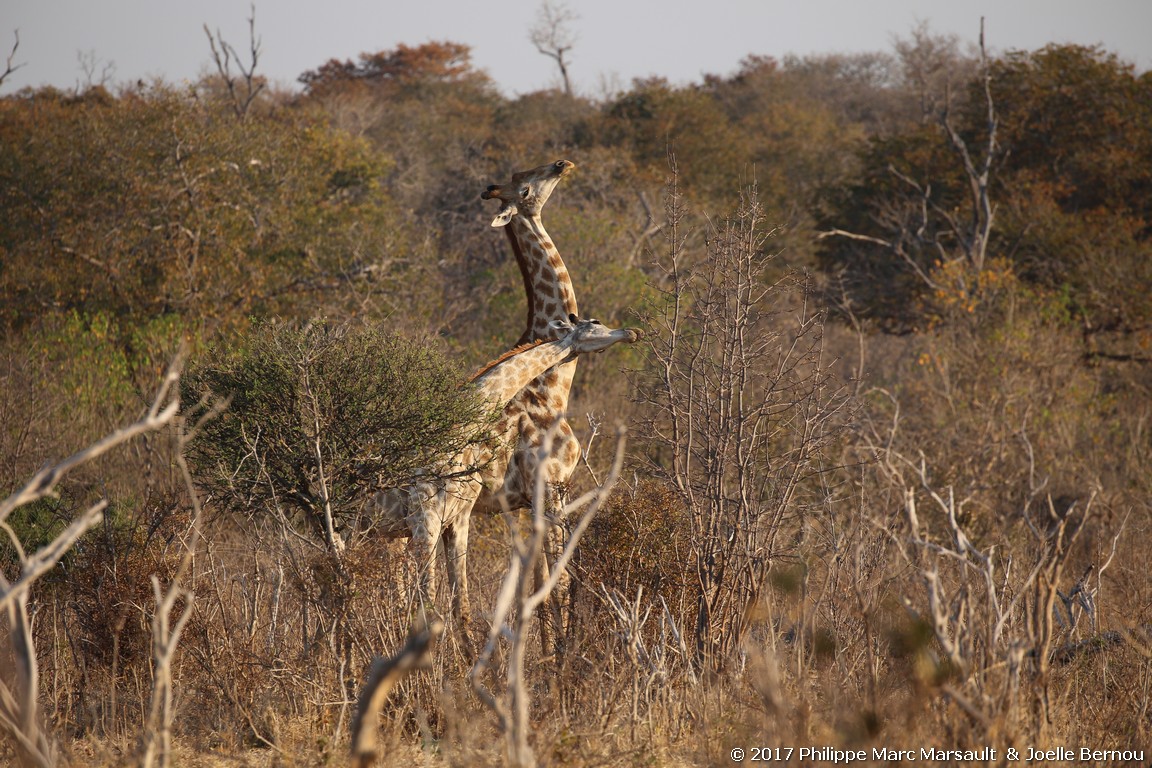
<point>455,539</point>
<point>548,634</point>
<point>558,603</point>
<point>426,523</point>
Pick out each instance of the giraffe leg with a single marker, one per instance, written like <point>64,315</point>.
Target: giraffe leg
<point>554,547</point>
<point>548,637</point>
<point>426,531</point>
<point>557,538</point>
<point>455,539</point>
<point>554,616</point>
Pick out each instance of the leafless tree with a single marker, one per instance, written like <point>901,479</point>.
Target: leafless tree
<point>9,67</point>
<point>553,36</point>
<point>977,168</point>
<point>244,87</point>
<point>97,74</point>
<point>742,406</point>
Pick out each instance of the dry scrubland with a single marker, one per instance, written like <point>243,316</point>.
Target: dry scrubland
<point>885,483</point>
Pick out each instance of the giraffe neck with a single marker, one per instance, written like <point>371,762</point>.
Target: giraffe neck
<point>503,381</point>
<point>547,284</point>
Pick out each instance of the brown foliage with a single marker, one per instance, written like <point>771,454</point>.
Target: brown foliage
<point>392,71</point>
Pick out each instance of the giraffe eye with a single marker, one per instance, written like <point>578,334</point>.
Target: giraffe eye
<point>524,191</point>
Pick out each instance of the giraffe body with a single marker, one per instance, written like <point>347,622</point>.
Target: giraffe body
<point>439,509</point>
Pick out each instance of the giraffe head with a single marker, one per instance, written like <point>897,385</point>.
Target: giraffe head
<point>528,191</point>
<point>589,335</point>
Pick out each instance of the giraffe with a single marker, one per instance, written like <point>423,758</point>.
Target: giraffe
<point>551,297</point>
<point>542,405</point>
<point>439,509</point>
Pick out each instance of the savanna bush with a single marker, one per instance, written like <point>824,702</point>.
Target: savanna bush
<point>321,414</point>
<point>1001,376</point>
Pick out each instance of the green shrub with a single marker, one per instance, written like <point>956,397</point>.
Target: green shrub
<point>320,412</point>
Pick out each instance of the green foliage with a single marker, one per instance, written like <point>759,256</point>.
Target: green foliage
<point>1071,194</point>
<point>1043,99</point>
<point>94,379</point>
<point>67,379</point>
<point>35,525</point>
<point>324,414</point>
<point>654,119</point>
<point>157,202</point>
<point>541,124</point>
<point>1077,136</point>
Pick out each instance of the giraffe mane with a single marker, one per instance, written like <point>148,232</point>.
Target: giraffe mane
<point>510,353</point>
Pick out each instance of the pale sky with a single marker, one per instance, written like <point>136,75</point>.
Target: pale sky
<point>618,40</point>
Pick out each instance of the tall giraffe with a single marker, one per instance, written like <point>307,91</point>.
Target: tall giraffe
<point>548,287</point>
<point>543,404</point>
<point>440,509</point>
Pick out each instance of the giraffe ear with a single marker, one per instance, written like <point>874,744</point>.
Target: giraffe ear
<point>558,329</point>
<point>507,211</point>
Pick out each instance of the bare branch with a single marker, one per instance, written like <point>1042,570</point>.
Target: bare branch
<point>517,602</point>
<point>89,63</point>
<point>978,172</point>
<point>652,227</point>
<point>594,432</point>
<point>156,734</point>
<point>9,67</point>
<point>19,696</point>
<point>382,677</point>
<point>223,55</point>
<point>43,561</point>
<point>591,503</point>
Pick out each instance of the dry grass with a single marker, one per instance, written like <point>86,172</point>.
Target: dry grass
<point>835,657</point>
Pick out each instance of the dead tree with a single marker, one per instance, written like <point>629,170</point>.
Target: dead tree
<point>554,38</point>
<point>243,88</point>
<point>741,401</point>
<point>20,688</point>
<point>9,67</point>
<point>967,233</point>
